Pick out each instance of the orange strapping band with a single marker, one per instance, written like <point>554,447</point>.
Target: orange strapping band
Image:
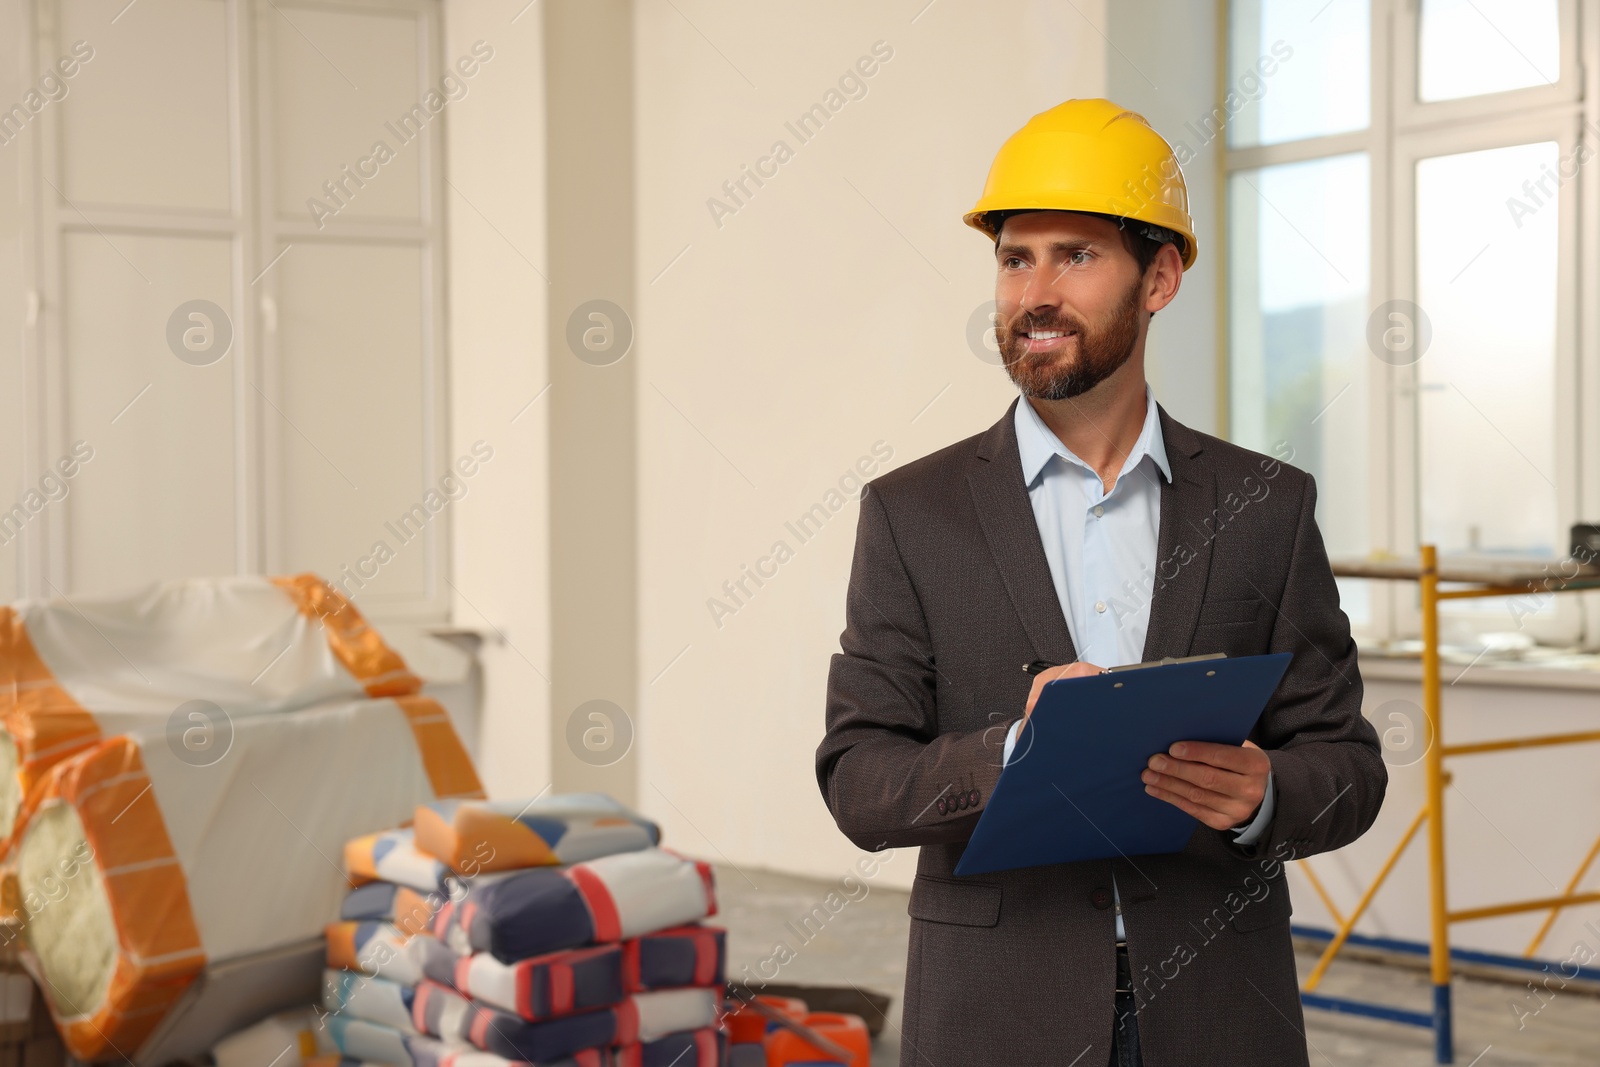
<point>359,647</point>
<point>159,951</point>
<point>44,722</point>
<point>449,768</point>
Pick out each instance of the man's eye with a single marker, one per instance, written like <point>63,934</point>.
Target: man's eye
<point>1078,258</point>
<point>1012,262</point>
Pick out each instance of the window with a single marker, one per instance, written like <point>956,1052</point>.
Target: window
<point>1403,256</point>
<point>240,294</point>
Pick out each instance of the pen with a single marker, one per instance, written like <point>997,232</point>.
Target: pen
<point>1039,666</point>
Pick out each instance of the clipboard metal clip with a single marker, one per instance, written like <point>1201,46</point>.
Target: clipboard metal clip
<point>1163,662</point>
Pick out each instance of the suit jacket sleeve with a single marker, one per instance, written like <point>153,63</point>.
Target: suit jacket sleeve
<point>883,766</point>
<point>1326,760</point>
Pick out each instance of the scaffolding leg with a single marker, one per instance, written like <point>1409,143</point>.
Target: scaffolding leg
<point>1439,943</point>
<point>1443,1026</point>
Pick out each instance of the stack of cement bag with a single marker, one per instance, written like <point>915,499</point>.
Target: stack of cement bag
<point>549,932</point>
<point>178,771</point>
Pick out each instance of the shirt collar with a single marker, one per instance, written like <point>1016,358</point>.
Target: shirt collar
<point>1036,443</point>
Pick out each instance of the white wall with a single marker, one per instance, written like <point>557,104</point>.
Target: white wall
<point>1161,62</point>
<point>827,314</point>
<point>13,308</point>
<point>497,307</point>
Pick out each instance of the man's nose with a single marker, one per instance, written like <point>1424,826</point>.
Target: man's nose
<point>1037,295</point>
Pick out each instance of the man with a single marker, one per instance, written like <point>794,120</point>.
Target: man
<point>1087,528</point>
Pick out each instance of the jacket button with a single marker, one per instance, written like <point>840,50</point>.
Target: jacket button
<point>1101,898</point>
<point>961,801</point>
<point>942,806</point>
<point>972,797</point>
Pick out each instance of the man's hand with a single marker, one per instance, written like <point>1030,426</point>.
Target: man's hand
<point>1071,670</point>
<point>1221,785</point>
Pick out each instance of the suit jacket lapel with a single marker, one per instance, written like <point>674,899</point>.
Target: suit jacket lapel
<point>1001,500</point>
<point>1183,552</point>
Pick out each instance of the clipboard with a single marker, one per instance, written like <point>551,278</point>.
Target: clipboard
<point>1072,789</point>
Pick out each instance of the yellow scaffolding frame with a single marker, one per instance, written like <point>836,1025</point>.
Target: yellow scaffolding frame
<point>1478,580</point>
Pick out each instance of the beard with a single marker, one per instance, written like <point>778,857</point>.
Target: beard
<point>1057,376</point>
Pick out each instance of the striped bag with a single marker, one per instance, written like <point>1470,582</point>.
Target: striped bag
<point>392,856</point>
<point>383,950</point>
<point>645,1017</point>
<point>361,996</point>
<point>410,910</point>
<point>691,955</point>
<point>545,987</point>
<point>706,1047</point>
<point>546,909</point>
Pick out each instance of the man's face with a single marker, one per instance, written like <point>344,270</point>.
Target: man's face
<point>1070,302</point>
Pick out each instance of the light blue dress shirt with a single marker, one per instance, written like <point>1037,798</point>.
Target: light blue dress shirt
<point>1101,548</point>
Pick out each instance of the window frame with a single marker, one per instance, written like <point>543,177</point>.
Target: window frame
<point>1401,131</point>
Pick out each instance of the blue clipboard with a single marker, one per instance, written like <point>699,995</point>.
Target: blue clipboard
<point>1072,789</point>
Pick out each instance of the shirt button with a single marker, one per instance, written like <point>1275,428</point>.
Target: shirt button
<point>1100,606</point>
<point>1099,511</point>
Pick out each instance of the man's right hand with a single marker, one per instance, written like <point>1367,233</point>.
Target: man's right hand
<point>1071,670</point>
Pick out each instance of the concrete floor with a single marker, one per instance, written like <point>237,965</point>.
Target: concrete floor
<point>865,944</point>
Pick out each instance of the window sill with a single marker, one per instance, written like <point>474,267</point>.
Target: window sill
<point>1559,670</point>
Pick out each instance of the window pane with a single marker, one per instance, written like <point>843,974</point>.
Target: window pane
<point>1472,47</point>
<point>1295,70</point>
<point>1298,239</point>
<point>1486,279</point>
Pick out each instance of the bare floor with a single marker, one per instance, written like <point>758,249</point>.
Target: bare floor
<point>863,942</point>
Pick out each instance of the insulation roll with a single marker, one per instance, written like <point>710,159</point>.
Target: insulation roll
<point>191,866</point>
<point>75,672</point>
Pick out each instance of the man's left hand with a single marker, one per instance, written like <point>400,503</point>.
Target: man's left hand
<point>1221,785</point>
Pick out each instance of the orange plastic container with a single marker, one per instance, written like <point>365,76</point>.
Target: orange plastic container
<point>746,1026</point>
<point>850,1031</point>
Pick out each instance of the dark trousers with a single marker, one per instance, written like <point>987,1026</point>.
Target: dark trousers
<point>1125,1030</point>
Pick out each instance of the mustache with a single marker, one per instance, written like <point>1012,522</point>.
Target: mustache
<point>1053,320</point>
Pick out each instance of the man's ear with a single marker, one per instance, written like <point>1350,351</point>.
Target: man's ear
<point>1163,278</point>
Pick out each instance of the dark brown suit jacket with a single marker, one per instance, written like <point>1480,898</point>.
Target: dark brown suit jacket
<point>949,595</point>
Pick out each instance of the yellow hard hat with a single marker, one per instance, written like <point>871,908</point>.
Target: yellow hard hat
<point>1093,156</point>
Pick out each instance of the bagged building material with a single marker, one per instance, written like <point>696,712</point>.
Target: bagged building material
<point>370,1042</point>
<point>645,1017</point>
<point>361,996</point>
<point>572,980</point>
<point>691,955</point>
<point>383,950</point>
<point>410,910</point>
<point>392,856</point>
<point>706,1047</point>
<point>75,672</point>
<point>482,835</point>
<point>193,866</point>
<point>467,1056</point>
<point>545,987</point>
<point>546,909</point>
